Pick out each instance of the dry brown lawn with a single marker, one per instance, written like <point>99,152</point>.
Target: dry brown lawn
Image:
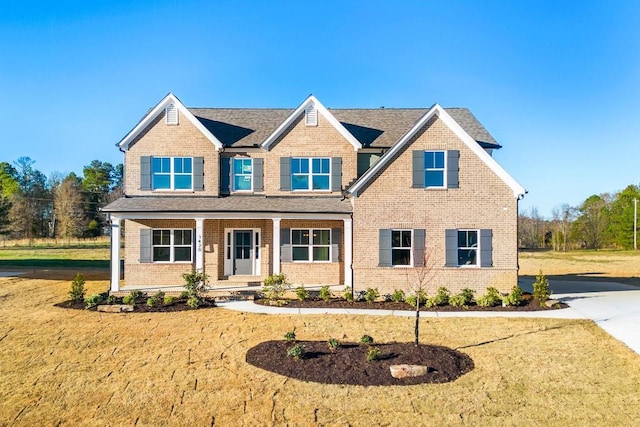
<point>66,367</point>
<point>620,266</point>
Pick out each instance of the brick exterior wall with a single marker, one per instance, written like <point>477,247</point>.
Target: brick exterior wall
<point>482,201</point>
<point>181,140</point>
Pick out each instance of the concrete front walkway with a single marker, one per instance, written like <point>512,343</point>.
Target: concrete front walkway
<point>614,307</point>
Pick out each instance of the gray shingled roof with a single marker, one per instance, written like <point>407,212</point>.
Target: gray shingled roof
<point>234,204</point>
<point>376,128</point>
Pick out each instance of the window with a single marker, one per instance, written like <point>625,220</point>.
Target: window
<point>172,173</point>
<point>467,247</point>
<point>434,169</point>
<point>311,245</point>
<point>242,174</point>
<point>310,173</point>
<point>400,247</point>
<point>170,245</point>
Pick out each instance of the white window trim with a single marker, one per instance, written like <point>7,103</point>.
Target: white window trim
<point>310,246</point>
<point>310,175</point>
<point>256,251</point>
<point>477,249</point>
<point>172,246</point>
<point>233,175</point>
<point>402,247</point>
<point>444,170</point>
<point>172,174</point>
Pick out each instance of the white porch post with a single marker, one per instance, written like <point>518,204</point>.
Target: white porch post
<point>348,252</point>
<point>199,244</point>
<point>115,254</point>
<point>276,246</point>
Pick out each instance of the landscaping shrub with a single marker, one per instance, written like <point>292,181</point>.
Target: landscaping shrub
<point>184,295</point>
<point>275,286</point>
<point>541,290</point>
<point>302,293</point>
<point>490,299</point>
<point>373,354</point>
<point>463,299</point>
<point>290,336</point>
<point>111,299</point>
<point>411,299</point>
<point>366,339</point>
<point>333,344</point>
<point>296,351</point>
<point>371,295</point>
<point>93,300</point>
<point>514,298</point>
<point>440,298</point>
<point>77,288</point>
<point>196,286</point>
<point>152,302</point>
<point>398,296</point>
<point>325,293</point>
<point>348,294</point>
<point>131,298</point>
<point>168,300</point>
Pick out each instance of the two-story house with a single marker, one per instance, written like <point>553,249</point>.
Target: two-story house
<point>354,197</point>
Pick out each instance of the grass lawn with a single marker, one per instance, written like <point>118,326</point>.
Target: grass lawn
<point>52,254</point>
<point>78,367</point>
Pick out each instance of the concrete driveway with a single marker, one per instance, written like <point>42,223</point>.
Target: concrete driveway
<point>615,307</point>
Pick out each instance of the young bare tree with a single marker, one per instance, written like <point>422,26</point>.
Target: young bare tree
<point>418,280</point>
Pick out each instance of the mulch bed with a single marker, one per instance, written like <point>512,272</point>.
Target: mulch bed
<point>180,304</point>
<point>528,304</point>
<point>348,364</point>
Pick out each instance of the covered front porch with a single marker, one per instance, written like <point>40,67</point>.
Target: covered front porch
<point>236,249</point>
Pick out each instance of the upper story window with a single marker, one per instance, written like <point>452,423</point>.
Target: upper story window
<point>172,245</point>
<point>172,173</point>
<point>434,169</point>
<point>401,247</point>
<point>310,173</point>
<point>242,175</point>
<point>467,247</point>
<point>311,245</point>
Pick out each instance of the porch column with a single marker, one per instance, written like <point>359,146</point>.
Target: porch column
<point>275,250</point>
<point>199,244</point>
<point>115,254</point>
<point>348,252</point>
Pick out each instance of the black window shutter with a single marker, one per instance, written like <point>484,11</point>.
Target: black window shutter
<point>225,175</point>
<point>336,240</point>
<point>384,248</point>
<point>285,173</point>
<point>336,173</point>
<point>285,245</point>
<point>418,247</point>
<point>198,173</point>
<point>486,248</point>
<point>145,245</point>
<point>452,168</point>
<point>145,172</point>
<point>258,178</point>
<point>451,245</point>
<point>418,169</point>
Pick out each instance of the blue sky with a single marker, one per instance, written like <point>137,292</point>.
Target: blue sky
<point>555,82</point>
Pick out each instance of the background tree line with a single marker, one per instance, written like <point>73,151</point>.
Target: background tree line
<point>601,221</point>
<point>32,205</point>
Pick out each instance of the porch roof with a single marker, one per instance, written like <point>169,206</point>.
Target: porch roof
<point>231,204</point>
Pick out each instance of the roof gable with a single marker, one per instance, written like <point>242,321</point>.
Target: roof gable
<point>311,101</point>
<point>155,111</point>
<point>456,128</point>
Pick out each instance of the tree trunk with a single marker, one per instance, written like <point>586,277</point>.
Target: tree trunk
<point>417,327</point>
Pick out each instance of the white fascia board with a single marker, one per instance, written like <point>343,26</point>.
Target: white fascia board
<point>518,190</point>
<point>311,100</point>
<point>231,215</point>
<point>151,115</point>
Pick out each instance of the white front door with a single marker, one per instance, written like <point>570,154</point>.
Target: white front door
<point>242,252</point>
